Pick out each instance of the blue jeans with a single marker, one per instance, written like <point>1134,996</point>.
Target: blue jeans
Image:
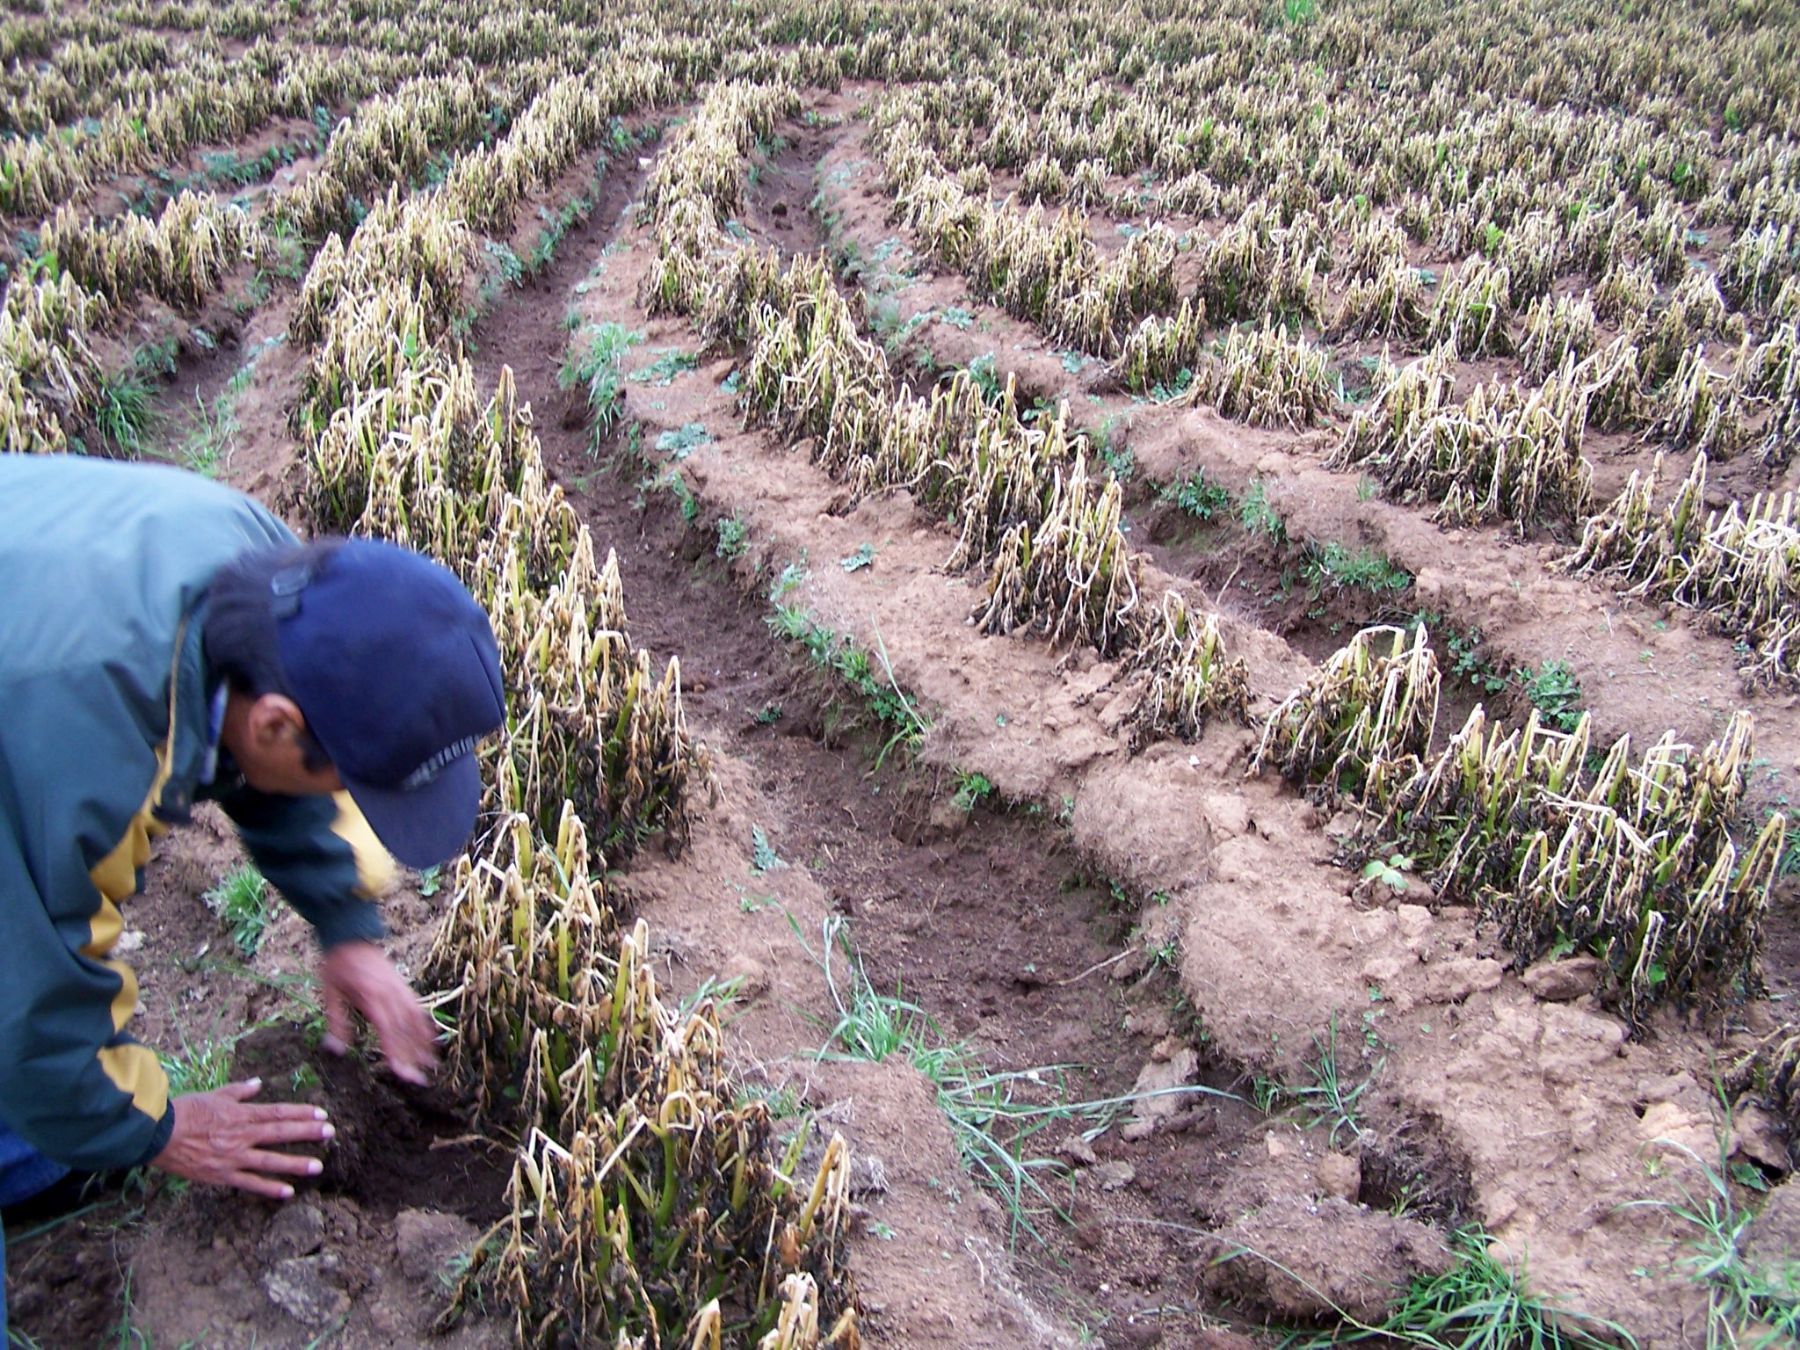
<point>23,1173</point>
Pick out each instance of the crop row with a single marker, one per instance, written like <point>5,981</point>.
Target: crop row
<point>88,269</point>
<point>1631,857</point>
<point>1741,565</point>
<point>1214,138</point>
<point>227,103</point>
<point>643,1199</point>
<point>1512,450</point>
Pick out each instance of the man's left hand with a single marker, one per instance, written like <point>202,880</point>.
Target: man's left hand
<point>359,976</point>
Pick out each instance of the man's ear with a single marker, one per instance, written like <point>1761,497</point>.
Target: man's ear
<point>275,722</point>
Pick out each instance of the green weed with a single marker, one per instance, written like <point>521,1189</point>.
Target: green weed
<point>680,441</point>
<point>763,857</point>
<point>599,369</point>
<point>1750,1304</point>
<point>201,1068</point>
<point>1330,1099</point>
<point>1170,390</point>
<point>985,377</point>
<point>663,370</point>
<point>241,902</point>
<point>1113,451</point>
<point>892,706</point>
<point>1390,871</point>
<point>124,412</point>
<point>1478,1304</point>
<point>683,494</point>
<point>1554,691</point>
<point>511,269</point>
<point>1332,565</point>
<point>990,1124</point>
<point>556,225</point>
<point>734,538</point>
<point>1197,497</point>
<point>971,790</point>
<point>787,581</point>
<point>1260,518</point>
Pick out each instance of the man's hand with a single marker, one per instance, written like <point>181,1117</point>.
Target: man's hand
<point>358,975</point>
<point>223,1138</point>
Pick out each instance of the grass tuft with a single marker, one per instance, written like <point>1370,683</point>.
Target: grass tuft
<point>1748,1304</point>
<point>599,369</point>
<point>198,1068</point>
<point>1478,1304</point>
<point>124,415</point>
<point>1330,1098</point>
<point>241,900</point>
<point>988,1112</point>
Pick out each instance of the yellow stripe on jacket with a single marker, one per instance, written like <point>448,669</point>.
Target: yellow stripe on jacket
<point>374,868</point>
<point>133,1069</point>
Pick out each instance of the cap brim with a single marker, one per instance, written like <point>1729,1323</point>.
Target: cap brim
<point>428,824</point>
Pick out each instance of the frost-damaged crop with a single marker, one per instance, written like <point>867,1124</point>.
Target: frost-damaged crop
<point>1362,713</point>
<point>1027,507</point>
<point>179,257</point>
<point>49,375</point>
<point>1049,273</point>
<point>1190,678</point>
<point>1264,376</point>
<point>642,1198</point>
<point>1740,566</point>
<point>643,1203</point>
<point>1633,859</point>
<point>1508,452</point>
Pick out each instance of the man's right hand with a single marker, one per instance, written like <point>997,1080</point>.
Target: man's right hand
<point>224,1138</point>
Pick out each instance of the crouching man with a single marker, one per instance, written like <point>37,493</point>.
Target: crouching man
<point>164,640</point>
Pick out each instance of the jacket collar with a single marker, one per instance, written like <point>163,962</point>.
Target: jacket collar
<point>193,740</point>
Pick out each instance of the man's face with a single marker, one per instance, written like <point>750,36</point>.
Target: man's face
<point>265,737</point>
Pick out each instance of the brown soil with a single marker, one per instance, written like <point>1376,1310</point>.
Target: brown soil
<point>395,1148</point>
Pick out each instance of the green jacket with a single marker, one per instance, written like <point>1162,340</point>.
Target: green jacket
<point>105,702</point>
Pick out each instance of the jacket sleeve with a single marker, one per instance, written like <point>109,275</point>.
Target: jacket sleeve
<point>73,1084</point>
<point>321,855</point>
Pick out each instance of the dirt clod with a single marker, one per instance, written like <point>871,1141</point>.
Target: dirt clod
<point>1313,1262</point>
<point>1113,1176</point>
<point>1340,1175</point>
<point>1453,981</point>
<point>1564,981</point>
<point>1758,1136</point>
<point>1168,1070</point>
<point>746,974</point>
<point>300,1288</point>
<point>1774,1235</point>
<point>295,1230</point>
<point>1078,1151</point>
<point>426,1242</point>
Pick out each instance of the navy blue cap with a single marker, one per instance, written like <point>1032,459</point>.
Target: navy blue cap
<point>394,667</point>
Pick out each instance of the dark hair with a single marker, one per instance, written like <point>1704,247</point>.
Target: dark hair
<point>238,630</point>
